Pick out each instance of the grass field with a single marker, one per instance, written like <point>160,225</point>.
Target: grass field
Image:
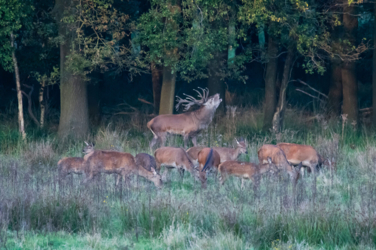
<point>37,213</point>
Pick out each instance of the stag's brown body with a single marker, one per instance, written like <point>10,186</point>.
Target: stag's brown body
<point>296,154</point>
<point>69,165</point>
<point>210,161</point>
<point>123,164</point>
<point>243,170</point>
<point>187,124</point>
<point>271,154</point>
<point>171,157</point>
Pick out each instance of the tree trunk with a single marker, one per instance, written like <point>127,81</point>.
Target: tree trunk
<point>215,84</point>
<point>21,121</point>
<point>41,103</point>
<point>280,111</point>
<point>156,77</point>
<point>74,115</point>
<point>270,84</point>
<point>349,84</point>
<point>168,91</point>
<point>374,69</point>
<point>335,91</point>
<point>169,73</point>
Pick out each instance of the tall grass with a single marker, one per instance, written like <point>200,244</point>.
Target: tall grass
<point>182,215</point>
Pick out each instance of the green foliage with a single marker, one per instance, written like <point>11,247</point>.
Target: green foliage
<point>189,36</point>
<point>102,40</point>
<point>13,15</point>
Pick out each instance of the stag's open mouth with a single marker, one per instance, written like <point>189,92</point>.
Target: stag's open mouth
<point>216,98</point>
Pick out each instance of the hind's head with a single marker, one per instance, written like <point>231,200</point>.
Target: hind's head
<point>88,148</point>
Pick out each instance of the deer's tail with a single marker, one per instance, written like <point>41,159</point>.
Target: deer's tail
<point>210,156</point>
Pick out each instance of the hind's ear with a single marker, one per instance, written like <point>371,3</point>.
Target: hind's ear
<point>153,170</point>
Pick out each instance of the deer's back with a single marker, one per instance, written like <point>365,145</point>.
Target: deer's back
<point>297,153</point>
<point>225,153</point>
<point>193,152</point>
<point>203,157</point>
<point>71,163</point>
<point>175,124</point>
<point>111,160</point>
<point>145,160</point>
<point>275,153</point>
<point>237,168</point>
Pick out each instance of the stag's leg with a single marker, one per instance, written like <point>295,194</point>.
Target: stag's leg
<point>181,173</point>
<point>242,185</point>
<point>162,136</point>
<point>118,179</point>
<point>153,142</point>
<point>222,178</point>
<point>194,140</point>
<point>203,179</point>
<point>165,173</point>
<point>185,138</point>
<point>158,169</point>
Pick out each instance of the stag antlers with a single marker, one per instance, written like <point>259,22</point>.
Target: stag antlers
<point>189,101</point>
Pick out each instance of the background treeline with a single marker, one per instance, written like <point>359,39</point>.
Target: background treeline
<point>71,62</point>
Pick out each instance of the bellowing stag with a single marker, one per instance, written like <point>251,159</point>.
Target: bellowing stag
<point>187,124</point>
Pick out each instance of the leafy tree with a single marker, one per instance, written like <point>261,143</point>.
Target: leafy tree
<point>13,15</point>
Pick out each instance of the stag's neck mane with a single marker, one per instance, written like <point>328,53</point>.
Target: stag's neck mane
<point>203,114</point>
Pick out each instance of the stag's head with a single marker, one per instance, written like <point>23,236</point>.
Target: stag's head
<point>242,146</point>
<point>88,148</point>
<point>156,178</point>
<point>211,102</point>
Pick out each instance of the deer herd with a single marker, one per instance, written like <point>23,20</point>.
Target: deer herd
<point>197,160</point>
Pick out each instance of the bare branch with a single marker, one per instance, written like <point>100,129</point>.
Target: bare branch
<point>309,94</point>
<point>28,96</point>
<point>306,84</point>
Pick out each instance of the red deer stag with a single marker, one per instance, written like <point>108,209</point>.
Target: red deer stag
<point>187,124</point>
<point>174,158</point>
<point>296,153</point>
<point>243,170</point>
<point>123,164</point>
<point>278,159</point>
<point>208,159</point>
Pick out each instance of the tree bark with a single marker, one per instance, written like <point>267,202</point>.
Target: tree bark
<point>335,91</point>
<point>215,84</point>
<point>349,84</point>
<point>169,73</point>
<point>74,115</point>
<point>281,107</point>
<point>168,91</point>
<point>21,122</point>
<point>374,69</point>
<point>156,77</point>
<point>270,84</point>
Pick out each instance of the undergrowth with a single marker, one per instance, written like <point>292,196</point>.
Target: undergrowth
<point>36,211</point>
